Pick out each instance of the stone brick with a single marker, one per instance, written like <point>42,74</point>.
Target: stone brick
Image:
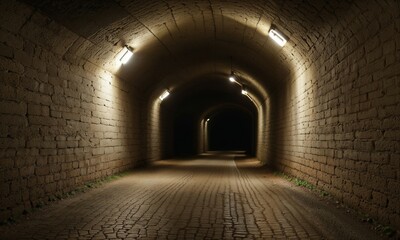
<point>9,65</point>
<point>55,114</point>
<point>43,121</point>
<point>363,146</point>
<point>383,145</point>
<point>27,171</point>
<point>38,110</point>
<point>48,152</point>
<point>71,116</point>
<point>394,186</point>
<point>13,120</point>
<point>11,40</point>
<point>379,199</point>
<point>8,107</point>
<point>14,15</point>
<point>6,51</point>
<point>98,151</point>
<point>42,171</point>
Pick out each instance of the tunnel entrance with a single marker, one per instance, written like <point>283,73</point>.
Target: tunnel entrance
<point>231,130</point>
<point>184,127</point>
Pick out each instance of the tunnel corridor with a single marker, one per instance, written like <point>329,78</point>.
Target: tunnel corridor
<point>94,88</point>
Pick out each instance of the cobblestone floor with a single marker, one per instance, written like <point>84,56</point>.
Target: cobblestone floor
<point>192,199</point>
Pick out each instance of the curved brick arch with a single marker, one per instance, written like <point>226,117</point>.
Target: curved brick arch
<point>214,110</point>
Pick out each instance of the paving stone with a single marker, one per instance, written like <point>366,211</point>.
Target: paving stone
<point>179,200</point>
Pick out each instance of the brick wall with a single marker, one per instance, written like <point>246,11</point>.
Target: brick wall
<point>339,117</point>
<point>264,133</point>
<point>153,136</point>
<point>62,123</point>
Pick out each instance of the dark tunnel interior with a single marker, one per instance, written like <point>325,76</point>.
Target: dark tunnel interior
<point>232,123</point>
<point>231,130</point>
<point>184,135</point>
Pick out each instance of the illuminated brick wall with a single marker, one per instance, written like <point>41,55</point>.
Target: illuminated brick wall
<point>63,120</point>
<point>338,123</point>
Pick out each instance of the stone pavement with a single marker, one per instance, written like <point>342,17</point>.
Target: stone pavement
<point>192,199</point>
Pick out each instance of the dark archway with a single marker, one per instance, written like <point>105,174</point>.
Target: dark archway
<point>184,111</point>
<point>231,130</point>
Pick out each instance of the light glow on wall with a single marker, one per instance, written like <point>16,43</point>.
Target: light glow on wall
<point>277,37</point>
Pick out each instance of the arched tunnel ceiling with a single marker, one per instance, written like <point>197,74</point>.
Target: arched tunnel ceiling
<point>169,36</point>
<point>205,93</point>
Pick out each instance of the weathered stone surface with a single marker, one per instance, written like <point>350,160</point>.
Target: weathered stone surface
<point>196,199</point>
<point>41,116</point>
<point>366,130</point>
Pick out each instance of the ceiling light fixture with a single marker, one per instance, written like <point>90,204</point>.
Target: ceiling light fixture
<point>164,95</point>
<point>277,36</point>
<point>244,90</point>
<point>232,77</point>
<point>127,53</point>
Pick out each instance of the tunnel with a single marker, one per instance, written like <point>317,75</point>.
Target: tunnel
<point>308,89</point>
<point>230,130</point>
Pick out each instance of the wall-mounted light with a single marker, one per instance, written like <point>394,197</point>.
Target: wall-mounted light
<point>164,95</point>
<point>127,53</point>
<point>232,77</point>
<point>244,90</point>
<point>277,36</point>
